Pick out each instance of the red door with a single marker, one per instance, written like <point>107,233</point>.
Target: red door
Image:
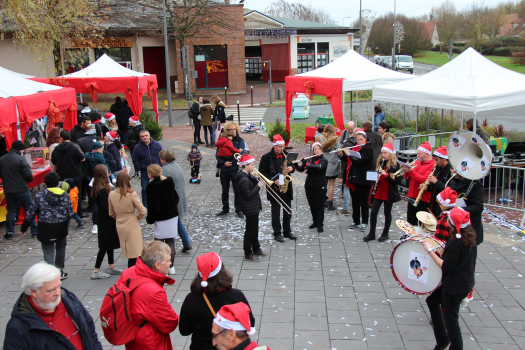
<point>154,63</point>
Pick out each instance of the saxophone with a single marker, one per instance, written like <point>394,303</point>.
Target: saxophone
<point>423,188</point>
<point>287,178</point>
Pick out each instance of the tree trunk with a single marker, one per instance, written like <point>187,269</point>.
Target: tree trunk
<point>57,58</point>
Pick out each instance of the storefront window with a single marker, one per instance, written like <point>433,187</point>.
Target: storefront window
<point>211,63</point>
<point>322,54</point>
<point>305,57</point>
<point>118,54</point>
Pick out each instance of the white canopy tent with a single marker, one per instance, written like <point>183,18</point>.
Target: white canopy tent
<point>19,75</point>
<point>358,72</point>
<point>470,82</point>
<point>105,67</point>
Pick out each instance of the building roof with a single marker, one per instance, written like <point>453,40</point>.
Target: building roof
<point>288,23</point>
<point>509,24</point>
<point>428,29</point>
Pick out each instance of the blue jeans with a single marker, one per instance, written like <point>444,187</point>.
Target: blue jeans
<point>206,129</point>
<point>346,198</point>
<point>144,181</point>
<point>77,218</point>
<point>183,234</point>
<point>26,201</point>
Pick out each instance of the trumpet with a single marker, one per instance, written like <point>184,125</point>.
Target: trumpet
<point>401,172</point>
<point>340,149</point>
<point>257,175</point>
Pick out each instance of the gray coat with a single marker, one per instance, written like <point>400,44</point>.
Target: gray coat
<point>174,171</point>
<point>334,166</point>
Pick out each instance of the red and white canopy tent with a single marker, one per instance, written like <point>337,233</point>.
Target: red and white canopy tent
<point>22,101</point>
<point>105,76</point>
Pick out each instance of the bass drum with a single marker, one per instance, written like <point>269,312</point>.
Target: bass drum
<point>413,268</point>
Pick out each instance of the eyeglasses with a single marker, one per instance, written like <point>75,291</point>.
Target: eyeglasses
<point>213,336</point>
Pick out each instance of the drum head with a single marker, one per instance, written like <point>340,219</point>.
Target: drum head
<point>414,269</point>
<point>406,227</point>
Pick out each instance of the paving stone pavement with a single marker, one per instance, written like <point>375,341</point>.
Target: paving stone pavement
<point>327,291</point>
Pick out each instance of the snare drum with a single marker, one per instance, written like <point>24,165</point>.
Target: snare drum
<point>412,266</point>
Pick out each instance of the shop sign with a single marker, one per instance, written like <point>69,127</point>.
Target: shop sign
<point>339,50</point>
<point>104,42</point>
<point>216,66</point>
<point>306,40</point>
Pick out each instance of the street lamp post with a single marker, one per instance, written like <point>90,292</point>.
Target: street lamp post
<point>360,27</point>
<point>167,63</point>
<point>394,45</point>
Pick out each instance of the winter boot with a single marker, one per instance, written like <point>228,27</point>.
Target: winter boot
<point>331,205</point>
<point>370,237</point>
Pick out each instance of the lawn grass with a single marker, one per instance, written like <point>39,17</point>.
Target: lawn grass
<point>297,130</point>
<point>437,59</point>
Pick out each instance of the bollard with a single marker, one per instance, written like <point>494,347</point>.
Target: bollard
<point>251,92</point>
<point>238,113</point>
<point>278,94</point>
<point>225,97</point>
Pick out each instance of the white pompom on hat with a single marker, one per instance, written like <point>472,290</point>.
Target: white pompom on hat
<point>235,316</point>
<point>209,265</point>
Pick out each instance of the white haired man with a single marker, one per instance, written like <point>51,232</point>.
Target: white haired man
<point>47,316</point>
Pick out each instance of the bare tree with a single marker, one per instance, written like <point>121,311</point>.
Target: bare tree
<point>482,23</point>
<point>447,22</point>
<point>281,8</point>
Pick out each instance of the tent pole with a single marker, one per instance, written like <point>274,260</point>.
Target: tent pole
<point>343,105</point>
<point>18,134</point>
<point>461,126</point>
<point>80,97</point>
<point>404,115</point>
<point>442,111</point>
<point>417,119</point>
<point>475,124</point>
<point>351,104</point>
<point>357,104</point>
<point>428,119</point>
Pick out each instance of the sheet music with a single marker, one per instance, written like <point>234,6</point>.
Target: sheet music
<point>354,154</point>
<point>403,164</point>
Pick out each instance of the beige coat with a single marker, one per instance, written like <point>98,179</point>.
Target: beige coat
<point>128,223</point>
<point>388,138</point>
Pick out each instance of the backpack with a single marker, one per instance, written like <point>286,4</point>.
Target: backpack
<point>115,312</point>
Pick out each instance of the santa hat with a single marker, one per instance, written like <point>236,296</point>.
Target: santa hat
<point>134,119</point>
<point>360,131</point>
<point>460,218</point>
<point>316,144</point>
<point>246,159</point>
<point>112,135</point>
<point>388,147</point>
<point>235,316</point>
<point>441,152</point>
<point>109,116</point>
<point>278,140</point>
<point>425,147</point>
<point>209,265</point>
<point>447,197</point>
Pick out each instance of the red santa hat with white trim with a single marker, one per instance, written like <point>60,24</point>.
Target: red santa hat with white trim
<point>425,147</point>
<point>209,265</point>
<point>316,144</point>
<point>134,119</point>
<point>109,116</point>
<point>389,148</point>
<point>112,135</point>
<point>441,152</point>
<point>447,197</point>
<point>460,218</point>
<point>246,159</point>
<point>278,140</point>
<point>235,316</point>
<point>360,131</point>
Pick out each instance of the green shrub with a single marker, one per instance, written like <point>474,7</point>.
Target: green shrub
<point>502,51</point>
<point>150,124</point>
<point>279,128</point>
<point>394,121</point>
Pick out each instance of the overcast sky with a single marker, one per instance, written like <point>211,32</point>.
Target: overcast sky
<point>339,9</point>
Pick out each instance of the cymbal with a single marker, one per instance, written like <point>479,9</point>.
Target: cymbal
<point>426,218</point>
<point>431,228</point>
<point>406,227</point>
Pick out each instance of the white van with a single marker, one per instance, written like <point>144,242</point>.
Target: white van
<point>405,62</point>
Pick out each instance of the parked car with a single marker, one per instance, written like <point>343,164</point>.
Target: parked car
<point>386,62</point>
<point>405,62</point>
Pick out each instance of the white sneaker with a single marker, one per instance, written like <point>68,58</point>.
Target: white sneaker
<point>94,230</point>
<point>464,302</point>
<point>171,270</point>
<point>114,181</point>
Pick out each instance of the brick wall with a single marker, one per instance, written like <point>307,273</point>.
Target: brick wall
<point>234,39</point>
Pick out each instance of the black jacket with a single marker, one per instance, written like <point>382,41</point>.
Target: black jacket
<point>248,194</point>
<point>219,113</point>
<point>107,226</point>
<point>27,331</point>
<point>316,171</point>
<point>76,133</point>
<point>162,200</point>
<point>15,172</point>
<point>393,188</point>
<point>115,152</point>
<point>68,159</point>
<point>376,141</point>
<point>115,109</point>
<point>195,110</point>
<point>359,167</point>
<point>133,137</point>
<point>124,114</point>
<point>442,177</point>
<point>196,317</point>
<point>111,162</point>
<point>86,142</point>
<point>460,282</point>
<point>271,166</point>
<point>474,203</point>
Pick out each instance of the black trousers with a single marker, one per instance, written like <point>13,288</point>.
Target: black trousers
<point>251,235</point>
<point>132,262</point>
<point>276,217</point>
<point>226,177</point>
<point>376,205</point>
<point>197,130</point>
<point>315,196</point>
<point>195,170</point>
<point>360,203</point>
<point>412,211</point>
<point>446,324</point>
<point>100,257</point>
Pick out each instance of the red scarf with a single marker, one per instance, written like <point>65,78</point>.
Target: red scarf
<point>382,187</point>
<point>349,164</point>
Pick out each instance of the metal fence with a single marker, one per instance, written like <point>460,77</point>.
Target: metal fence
<point>505,188</point>
<point>414,141</point>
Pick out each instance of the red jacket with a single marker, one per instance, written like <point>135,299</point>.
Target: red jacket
<point>226,148</point>
<point>253,345</point>
<point>417,176</point>
<point>149,302</point>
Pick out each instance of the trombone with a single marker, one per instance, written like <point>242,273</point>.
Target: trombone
<point>257,175</point>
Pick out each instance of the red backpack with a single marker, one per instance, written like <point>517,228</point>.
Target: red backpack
<point>115,312</point>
